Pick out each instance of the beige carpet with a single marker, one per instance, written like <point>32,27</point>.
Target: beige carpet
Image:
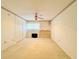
<point>35,49</point>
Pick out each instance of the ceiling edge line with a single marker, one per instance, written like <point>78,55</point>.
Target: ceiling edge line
<point>62,10</point>
<point>20,16</point>
<point>13,13</point>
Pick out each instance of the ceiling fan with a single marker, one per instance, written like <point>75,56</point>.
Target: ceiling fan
<point>38,16</point>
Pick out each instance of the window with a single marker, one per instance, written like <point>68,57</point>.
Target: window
<point>31,26</point>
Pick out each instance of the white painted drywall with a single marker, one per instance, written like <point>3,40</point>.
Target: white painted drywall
<point>44,26</point>
<point>64,30</point>
<point>12,30</point>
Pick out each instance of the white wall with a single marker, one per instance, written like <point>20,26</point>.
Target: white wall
<point>12,30</point>
<point>44,25</point>
<point>64,30</point>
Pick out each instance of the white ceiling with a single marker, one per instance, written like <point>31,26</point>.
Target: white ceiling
<point>46,9</point>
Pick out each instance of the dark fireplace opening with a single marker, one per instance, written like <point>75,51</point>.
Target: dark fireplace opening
<point>34,35</point>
